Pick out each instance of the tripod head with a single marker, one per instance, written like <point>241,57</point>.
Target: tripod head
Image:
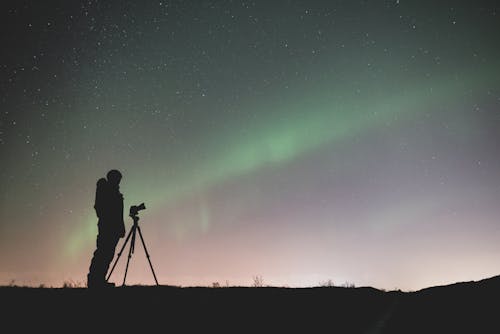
<point>134,211</point>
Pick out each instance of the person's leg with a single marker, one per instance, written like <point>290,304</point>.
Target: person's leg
<point>112,241</point>
<point>96,270</point>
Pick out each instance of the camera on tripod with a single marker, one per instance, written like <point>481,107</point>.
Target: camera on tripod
<point>134,209</point>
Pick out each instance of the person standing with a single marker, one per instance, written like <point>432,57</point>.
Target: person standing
<point>111,227</point>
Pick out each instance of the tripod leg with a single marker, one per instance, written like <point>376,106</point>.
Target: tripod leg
<point>119,254</point>
<point>147,254</point>
<point>130,250</point>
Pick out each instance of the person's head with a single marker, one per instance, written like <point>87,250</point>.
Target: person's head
<point>114,177</point>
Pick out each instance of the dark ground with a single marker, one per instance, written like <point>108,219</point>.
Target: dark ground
<point>469,307</point>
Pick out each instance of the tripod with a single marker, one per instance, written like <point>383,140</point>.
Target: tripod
<point>131,236</point>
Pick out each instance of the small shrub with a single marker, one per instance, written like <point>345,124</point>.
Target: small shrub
<point>327,284</point>
<point>349,285</point>
<point>70,284</point>
<point>258,282</point>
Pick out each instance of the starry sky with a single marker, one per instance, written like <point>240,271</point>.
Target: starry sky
<point>298,141</point>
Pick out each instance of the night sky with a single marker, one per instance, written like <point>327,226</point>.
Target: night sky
<point>300,141</point>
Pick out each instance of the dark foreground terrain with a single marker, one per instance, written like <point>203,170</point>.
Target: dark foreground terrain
<point>470,307</point>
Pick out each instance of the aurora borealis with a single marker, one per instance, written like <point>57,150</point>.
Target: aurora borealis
<point>300,141</point>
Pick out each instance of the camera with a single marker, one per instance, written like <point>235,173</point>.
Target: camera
<point>134,209</point>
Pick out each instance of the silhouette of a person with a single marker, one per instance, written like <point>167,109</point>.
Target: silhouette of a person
<point>111,227</point>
